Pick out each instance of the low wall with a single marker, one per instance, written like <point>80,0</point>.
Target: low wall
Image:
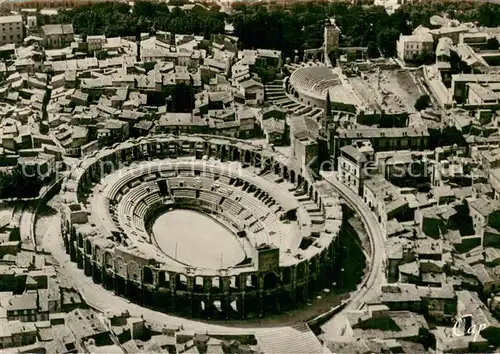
<point>436,87</point>
<point>318,321</point>
<point>51,191</point>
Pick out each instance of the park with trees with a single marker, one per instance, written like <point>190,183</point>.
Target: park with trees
<point>290,28</point>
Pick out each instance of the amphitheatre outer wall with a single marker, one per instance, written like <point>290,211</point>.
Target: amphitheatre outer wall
<point>269,284</point>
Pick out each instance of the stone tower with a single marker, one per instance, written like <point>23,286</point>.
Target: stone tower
<point>331,36</point>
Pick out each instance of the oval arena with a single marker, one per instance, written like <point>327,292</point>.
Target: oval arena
<point>278,228</point>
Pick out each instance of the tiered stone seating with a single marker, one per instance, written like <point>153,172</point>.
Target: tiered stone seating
<point>207,184</point>
<point>184,193</point>
<point>256,227</point>
<point>210,197</point>
<point>168,174</point>
<point>141,208</point>
<point>186,174</point>
<point>153,198</point>
<point>225,192</point>
<point>234,220</point>
<point>208,175</point>
<point>175,182</point>
<point>135,183</point>
<point>118,187</point>
<point>291,105</point>
<point>224,179</point>
<point>138,222</point>
<point>243,209</point>
<point>327,83</point>
<point>233,207</point>
<point>303,110</point>
<point>149,178</point>
<point>316,113</point>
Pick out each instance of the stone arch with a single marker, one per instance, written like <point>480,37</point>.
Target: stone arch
<point>120,267</point>
<point>181,282</point>
<point>163,279</point>
<point>247,156</point>
<point>312,266</point>
<point>292,176</point>
<point>97,254</point>
<point>233,283</point>
<point>258,161</point>
<point>133,271</point>
<point>216,284</point>
<point>223,152</point>
<point>184,148</point>
<point>147,275</point>
<point>236,154</point>
<point>301,270</point>
<point>276,168</point>
<point>270,281</point>
<point>299,294</point>
<point>88,247</point>
<point>108,260</point>
<point>80,240</point>
<point>324,257</point>
<point>234,304</point>
<point>286,275</point>
<point>285,172</point>
<point>198,284</point>
<point>65,227</point>
<point>252,282</point>
<point>213,149</point>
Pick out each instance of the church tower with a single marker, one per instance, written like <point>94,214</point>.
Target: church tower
<point>331,37</point>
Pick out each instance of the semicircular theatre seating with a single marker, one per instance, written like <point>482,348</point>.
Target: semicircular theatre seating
<point>310,77</point>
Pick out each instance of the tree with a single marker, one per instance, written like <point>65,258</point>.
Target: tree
<point>422,102</point>
<point>386,41</point>
<point>492,43</point>
<point>215,7</point>
<point>373,50</point>
<point>20,182</point>
<point>289,28</point>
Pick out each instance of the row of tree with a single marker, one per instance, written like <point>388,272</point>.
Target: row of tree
<point>16,183</point>
<point>291,28</point>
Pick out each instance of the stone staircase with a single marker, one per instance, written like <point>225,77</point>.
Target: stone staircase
<point>298,339</point>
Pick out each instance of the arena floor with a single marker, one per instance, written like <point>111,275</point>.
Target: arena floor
<point>200,240</point>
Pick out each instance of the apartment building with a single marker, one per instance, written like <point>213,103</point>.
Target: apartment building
<point>414,47</point>
<point>11,29</point>
<point>382,139</point>
<point>354,164</point>
<point>57,36</point>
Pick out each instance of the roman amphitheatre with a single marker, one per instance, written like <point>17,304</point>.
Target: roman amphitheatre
<point>201,226</point>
